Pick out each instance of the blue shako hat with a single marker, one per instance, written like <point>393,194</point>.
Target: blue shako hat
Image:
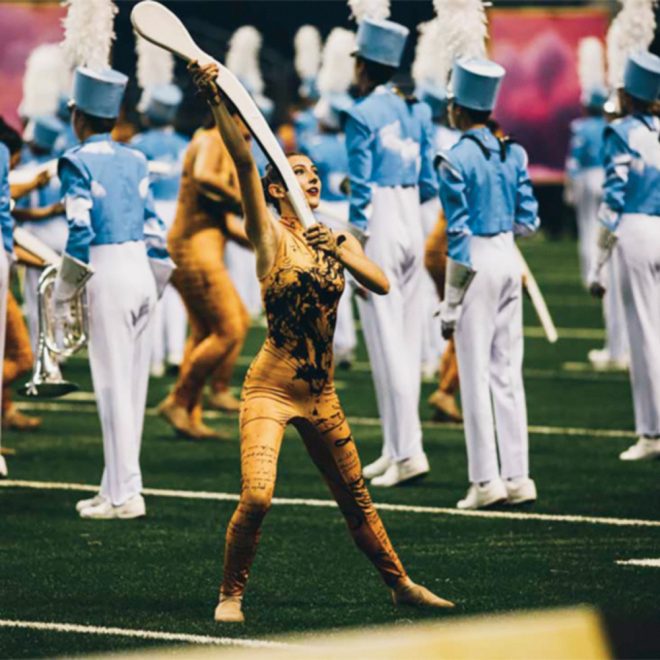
<point>99,93</point>
<point>381,41</point>
<point>475,82</point>
<point>308,89</point>
<point>595,98</point>
<point>46,131</point>
<point>164,101</point>
<point>642,76</point>
<point>434,96</point>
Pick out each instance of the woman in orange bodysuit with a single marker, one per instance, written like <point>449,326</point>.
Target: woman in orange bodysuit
<point>208,197</point>
<point>291,379</point>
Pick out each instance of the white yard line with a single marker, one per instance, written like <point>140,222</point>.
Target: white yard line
<point>52,626</point>
<point>315,503</point>
<point>64,407</point>
<point>643,563</point>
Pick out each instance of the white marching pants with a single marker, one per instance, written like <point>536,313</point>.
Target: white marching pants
<point>4,287</point>
<point>588,189</point>
<point>390,323</point>
<point>242,266</point>
<point>489,346</point>
<point>170,321</point>
<point>54,234</point>
<point>616,334</point>
<point>433,345</point>
<point>121,298</point>
<point>639,251</point>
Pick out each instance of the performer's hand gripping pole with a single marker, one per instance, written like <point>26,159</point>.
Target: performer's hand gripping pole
<point>161,27</point>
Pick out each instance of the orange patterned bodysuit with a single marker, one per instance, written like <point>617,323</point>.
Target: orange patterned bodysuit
<point>218,319</point>
<point>291,380</point>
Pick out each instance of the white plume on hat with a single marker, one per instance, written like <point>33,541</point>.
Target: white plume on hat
<point>376,9</point>
<point>46,77</point>
<point>307,45</point>
<point>337,64</point>
<point>155,66</point>
<point>429,55</point>
<point>243,58</point>
<point>631,31</point>
<point>89,32</point>
<point>591,65</point>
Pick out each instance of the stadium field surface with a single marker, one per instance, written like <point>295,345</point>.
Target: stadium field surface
<point>69,586</point>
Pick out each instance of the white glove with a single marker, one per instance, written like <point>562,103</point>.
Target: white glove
<point>162,270</point>
<point>449,315</point>
<point>606,242</point>
<point>457,281</point>
<point>72,276</point>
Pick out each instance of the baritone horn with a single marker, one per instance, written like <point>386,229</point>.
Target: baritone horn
<point>56,339</point>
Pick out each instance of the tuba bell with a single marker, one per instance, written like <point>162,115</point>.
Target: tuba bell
<point>56,339</point>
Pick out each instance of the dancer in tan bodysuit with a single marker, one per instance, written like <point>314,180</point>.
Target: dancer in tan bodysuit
<point>291,379</point>
<point>208,197</point>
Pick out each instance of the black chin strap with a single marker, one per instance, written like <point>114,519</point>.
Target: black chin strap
<point>503,145</point>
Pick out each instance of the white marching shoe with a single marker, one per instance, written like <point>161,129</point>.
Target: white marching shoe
<point>480,497</point>
<point>92,501</point>
<point>602,360</point>
<point>3,467</point>
<point>378,467</point>
<point>520,490</point>
<point>133,508</point>
<point>401,471</point>
<point>645,449</point>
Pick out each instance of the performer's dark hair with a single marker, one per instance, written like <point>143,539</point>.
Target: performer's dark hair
<point>272,176</point>
<point>378,73</point>
<point>475,116</point>
<point>639,106</point>
<point>10,137</point>
<point>98,124</point>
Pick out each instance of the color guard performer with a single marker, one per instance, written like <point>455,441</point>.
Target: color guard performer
<point>291,379</point>
<point>387,137</point>
<point>209,199</point>
<point>483,290</point>
<point>630,227</point>
<point>115,234</point>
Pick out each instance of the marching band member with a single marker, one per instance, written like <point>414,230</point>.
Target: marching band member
<point>630,219</point>
<point>387,136</point>
<point>115,234</point>
<point>291,379</point>
<point>585,175</point>
<point>164,149</point>
<point>41,213</point>
<point>487,195</point>
<point>209,198</point>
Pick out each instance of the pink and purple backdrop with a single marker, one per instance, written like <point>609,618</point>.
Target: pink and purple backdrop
<point>541,93</point>
<point>22,28</point>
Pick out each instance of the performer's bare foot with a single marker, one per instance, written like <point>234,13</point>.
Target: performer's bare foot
<point>15,419</point>
<point>224,401</point>
<point>229,610</point>
<point>445,408</point>
<point>176,415</point>
<point>200,431</point>
<point>407,592</point>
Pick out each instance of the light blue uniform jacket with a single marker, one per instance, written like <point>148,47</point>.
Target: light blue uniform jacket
<point>586,146</point>
<point>166,147</point>
<point>632,169</point>
<point>485,195</point>
<point>389,141</point>
<point>328,152</point>
<point>6,221</point>
<point>112,181</point>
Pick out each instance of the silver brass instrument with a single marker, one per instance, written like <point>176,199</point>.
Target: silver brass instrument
<point>56,339</point>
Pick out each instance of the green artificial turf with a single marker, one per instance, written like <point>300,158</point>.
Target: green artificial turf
<point>162,573</point>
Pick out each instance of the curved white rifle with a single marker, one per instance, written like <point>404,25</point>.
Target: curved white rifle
<point>163,28</point>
